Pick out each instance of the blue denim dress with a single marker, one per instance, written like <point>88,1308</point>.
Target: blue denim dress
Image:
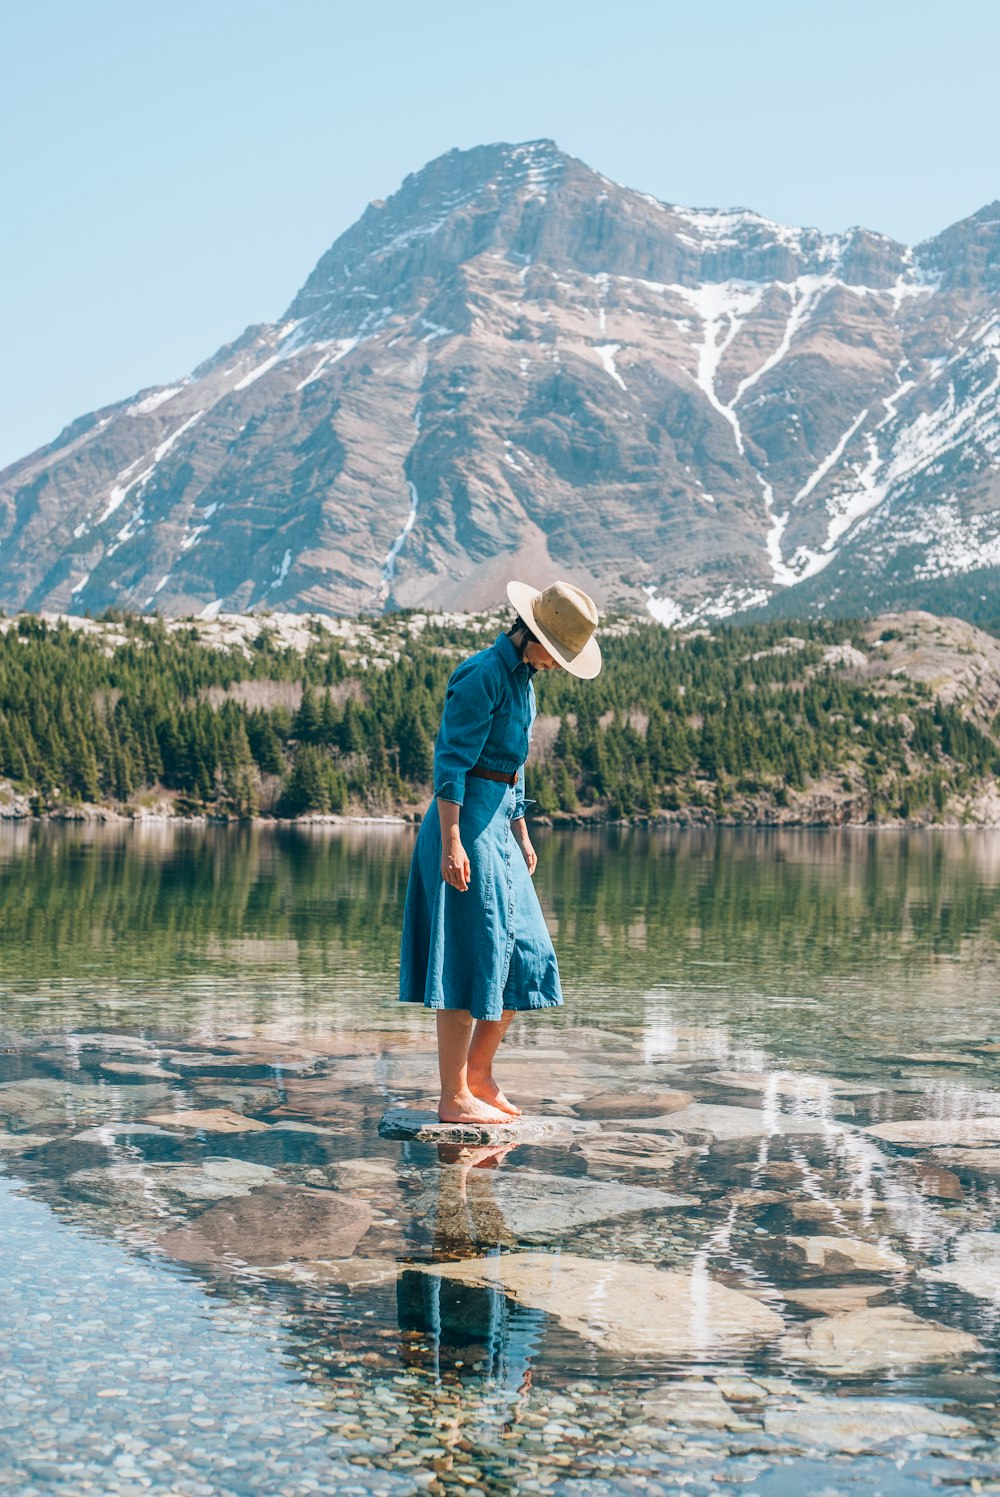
<point>487,949</point>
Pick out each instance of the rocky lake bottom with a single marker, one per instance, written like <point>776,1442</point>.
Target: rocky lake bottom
<point>745,1239</point>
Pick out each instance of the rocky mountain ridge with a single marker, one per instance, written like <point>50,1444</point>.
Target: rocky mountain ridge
<point>517,366</point>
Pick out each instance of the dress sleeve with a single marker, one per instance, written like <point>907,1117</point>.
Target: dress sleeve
<point>519,801</point>
<point>469,704</point>
<point>519,798</point>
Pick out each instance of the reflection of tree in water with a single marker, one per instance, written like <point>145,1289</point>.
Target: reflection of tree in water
<point>729,914</point>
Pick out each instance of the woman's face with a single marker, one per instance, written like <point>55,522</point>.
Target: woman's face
<point>537,655</point>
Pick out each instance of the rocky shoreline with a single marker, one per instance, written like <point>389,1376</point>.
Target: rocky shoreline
<point>812,816</point>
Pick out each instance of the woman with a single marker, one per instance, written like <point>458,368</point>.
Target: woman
<point>475,945</point>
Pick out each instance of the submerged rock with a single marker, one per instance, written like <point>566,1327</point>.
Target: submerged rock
<point>629,1309</point>
<point>695,1403</point>
<point>351,1273</point>
<point>491,1207</point>
<point>27,1104</point>
<point>791,1084</point>
<point>975,1269</point>
<point>17,1143</point>
<point>876,1339</point>
<point>919,1133</point>
<point>836,1300</point>
<point>980,1164</point>
<point>138,1185</point>
<point>837,1255</point>
<point>126,1068</point>
<point>275,1224</point>
<point>633,1104</point>
<point>935,1058</point>
<point>938,1183</point>
<point>208,1120</point>
<point>632,1151</point>
<point>853,1426</point>
<point>405,1122</point>
<point>715,1121</point>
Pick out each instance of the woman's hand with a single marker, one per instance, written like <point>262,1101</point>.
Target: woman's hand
<point>520,830</point>
<point>455,867</point>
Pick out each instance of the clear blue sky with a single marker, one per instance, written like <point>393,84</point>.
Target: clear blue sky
<point>171,172</point>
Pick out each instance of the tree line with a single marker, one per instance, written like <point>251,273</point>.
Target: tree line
<point>717,721</point>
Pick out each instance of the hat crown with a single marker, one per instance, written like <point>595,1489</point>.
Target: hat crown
<point>568,614</point>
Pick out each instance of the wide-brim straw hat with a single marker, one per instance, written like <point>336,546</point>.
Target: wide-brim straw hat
<point>564,618</point>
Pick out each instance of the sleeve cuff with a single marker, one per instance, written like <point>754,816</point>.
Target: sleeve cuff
<point>451,790</point>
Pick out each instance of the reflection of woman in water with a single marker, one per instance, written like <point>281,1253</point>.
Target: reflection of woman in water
<point>469,1329</point>
<point>475,945</point>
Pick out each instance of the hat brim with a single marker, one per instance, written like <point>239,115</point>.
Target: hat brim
<point>586,663</point>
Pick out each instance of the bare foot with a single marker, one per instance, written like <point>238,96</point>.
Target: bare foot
<point>464,1107</point>
<point>486,1089</point>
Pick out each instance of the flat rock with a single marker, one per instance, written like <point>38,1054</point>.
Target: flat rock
<point>17,1143</point>
<point>792,1084</point>
<point>250,1059</point>
<point>834,1301</point>
<point>837,1255</point>
<point>514,1206</point>
<point>693,1403</point>
<point>934,1058</point>
<point>929,1133</point>
<point>753,1199</point>
<point>715,1121</point>
<point>208,1120</point>
<point>633,1104</point>
<point>139,1068</point>
<point>107,1133</point>
<point>939,1183</point>
<point>243,1097</point>
<point>111,1044</point>
<point>366,1172</point>
<point>26,1104</point>
<point>352,1273</point>
<point>876,1339</point>
<point>854,1426</point>
<point>136,1185</point>
<point>628,1309</point>
<point>405,1122</point>
<point>255,1051</point>
<point>975,1269</point>
<point>980,1164</point>
<point>320,1098</point>
<point>632,1151</point>
<point>275,1224</point>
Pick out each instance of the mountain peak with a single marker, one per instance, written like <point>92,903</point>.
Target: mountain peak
<point>515,364</point>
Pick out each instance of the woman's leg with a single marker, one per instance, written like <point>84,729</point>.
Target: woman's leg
<point>485,1043</point>
<point>459,1104</point>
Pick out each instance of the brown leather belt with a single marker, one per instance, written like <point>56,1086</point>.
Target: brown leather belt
<point>493,774</point>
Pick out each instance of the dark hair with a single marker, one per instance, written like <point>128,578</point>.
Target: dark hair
<point>520,634</point>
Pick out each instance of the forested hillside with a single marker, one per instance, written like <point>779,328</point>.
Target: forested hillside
<point>814,722</point>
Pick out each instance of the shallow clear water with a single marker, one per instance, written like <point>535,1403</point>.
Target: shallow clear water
<point>712,1276</point>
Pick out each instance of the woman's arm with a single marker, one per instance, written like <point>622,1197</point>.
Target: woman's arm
<point>469,705</point>
<point>455,868</point>
<point>519,827</point>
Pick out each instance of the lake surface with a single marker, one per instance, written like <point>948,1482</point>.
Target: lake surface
<point>756,1251</point>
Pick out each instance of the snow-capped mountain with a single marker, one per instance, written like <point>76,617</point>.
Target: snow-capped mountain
<point>515,366</point>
